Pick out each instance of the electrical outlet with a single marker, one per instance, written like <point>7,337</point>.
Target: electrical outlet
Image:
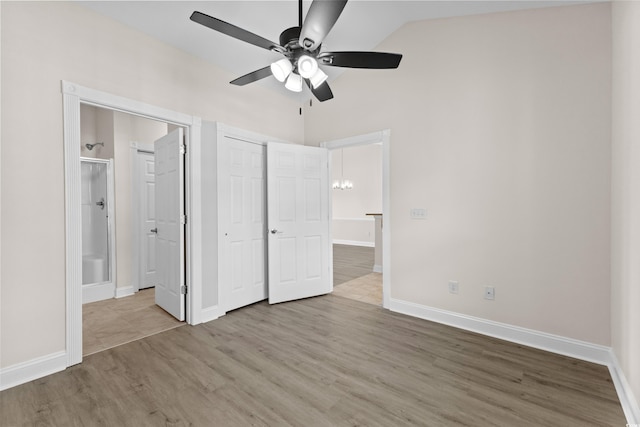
<point>453,287</point>
<point>489,293</point>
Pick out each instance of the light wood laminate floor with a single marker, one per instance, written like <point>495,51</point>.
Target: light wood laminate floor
<point>324,361</point>
<point>114,322</point>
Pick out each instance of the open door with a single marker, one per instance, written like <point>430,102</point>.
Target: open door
<point>298,219</point>
<point>170,220</point>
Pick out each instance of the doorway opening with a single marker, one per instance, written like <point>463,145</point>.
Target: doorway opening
<point>188,244</point>
<point>125,205</point>
<point>360,223</point>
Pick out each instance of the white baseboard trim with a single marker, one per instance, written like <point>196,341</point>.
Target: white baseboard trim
<point>30,370</point>
<point>354,243</point>
<point>554,343</point>
<point>377,268</point>
<point>625,394</point>
<point>211,313</point>
<point>124,292</point>
<point>97,292</point>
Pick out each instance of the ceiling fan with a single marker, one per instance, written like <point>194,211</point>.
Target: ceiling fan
<point>301,47</point>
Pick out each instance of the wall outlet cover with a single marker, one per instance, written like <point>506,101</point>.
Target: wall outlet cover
<point>489,293</point>
<point>453,287</point>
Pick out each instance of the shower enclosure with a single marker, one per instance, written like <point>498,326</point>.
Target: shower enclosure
<point>97,230</point>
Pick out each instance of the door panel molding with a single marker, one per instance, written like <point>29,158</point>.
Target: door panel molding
<point>169,211</point>
<point>137,150</point>
<point>298,222</point>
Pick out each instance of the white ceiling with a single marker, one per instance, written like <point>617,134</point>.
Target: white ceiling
<point>362,25</point>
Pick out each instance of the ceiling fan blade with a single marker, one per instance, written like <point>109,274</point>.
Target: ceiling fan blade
<point>235,32</point>
<point>322,92</point>
<point>321,17</point>
<point>373,60</point>
<point>253,76</point>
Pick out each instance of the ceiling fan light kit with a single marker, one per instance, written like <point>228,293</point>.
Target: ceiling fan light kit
<point>294,83</point>
<point>307,66</point>
<point>281,69</point>
<point>301,47</point>
<point>318,78</point>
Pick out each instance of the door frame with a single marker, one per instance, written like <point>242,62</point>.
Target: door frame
<point>381,137</point>
<point>72,96</point>
<point>135,148</point>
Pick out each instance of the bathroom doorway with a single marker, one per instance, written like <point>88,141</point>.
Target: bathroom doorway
<point>190,260</point>
<point>118,228</point>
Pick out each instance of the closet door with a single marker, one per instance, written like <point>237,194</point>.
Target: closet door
<point>298,220</point>
<point>242,210</point>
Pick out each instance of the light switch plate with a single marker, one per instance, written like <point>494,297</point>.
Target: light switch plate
<point>418,213</point>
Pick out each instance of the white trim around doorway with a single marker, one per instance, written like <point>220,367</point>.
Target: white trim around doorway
<point>381,137</point>
<point>73,95</point>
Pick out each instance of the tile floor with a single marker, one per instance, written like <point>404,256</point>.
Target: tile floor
<point>367,289</point>
<point>113,322</point>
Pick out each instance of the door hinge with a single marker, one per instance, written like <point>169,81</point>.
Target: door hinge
<point>183,149</point>
<point>183,219</point>
<point>184,289</point>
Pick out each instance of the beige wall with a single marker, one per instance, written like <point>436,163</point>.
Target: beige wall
<point>96,125</point>
<point>500,128</point>
<point>625,256</point>
<point>42,44</point>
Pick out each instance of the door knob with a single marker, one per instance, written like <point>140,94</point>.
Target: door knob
<point>154,230</point>
<point>274,231</point>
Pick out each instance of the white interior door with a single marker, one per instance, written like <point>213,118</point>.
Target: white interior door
<point>242,210</point>
<point>169,209</point>
<point>147,180</point>
<point>298,219</point>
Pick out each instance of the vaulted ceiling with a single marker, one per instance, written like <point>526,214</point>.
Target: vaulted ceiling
<point>362,25</point>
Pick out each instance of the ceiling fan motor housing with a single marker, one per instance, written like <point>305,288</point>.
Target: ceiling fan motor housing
<point>290,35</point>
<point>290,40</point>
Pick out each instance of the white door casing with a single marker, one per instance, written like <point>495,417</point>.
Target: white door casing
<point>72,97</point>
<point>169,210</point>
<point>298,222</point>
<point>242,199</point>
<point>146,203</point>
